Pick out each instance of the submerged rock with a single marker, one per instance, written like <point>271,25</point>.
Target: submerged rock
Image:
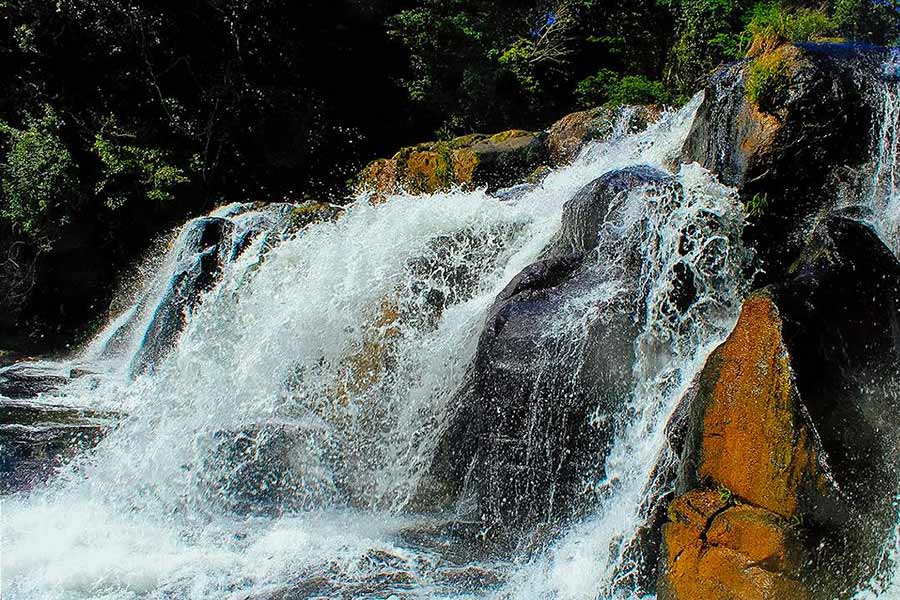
<point>270,468</point>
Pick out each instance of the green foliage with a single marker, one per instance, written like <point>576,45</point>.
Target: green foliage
<point>726,494</point>
<point>38,177</point>
<point>608,87</point>
<point>767,81</point>
<point>594,90</point>
<point>128,167</point>
<point>758,205</point>
<point>876,22</point>
<point>771,24</point>
<point>708,33</point>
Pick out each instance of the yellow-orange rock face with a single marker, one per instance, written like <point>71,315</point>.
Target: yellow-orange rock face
<point>714,551</point>
<point>754,442</point>
<point>734,537</point>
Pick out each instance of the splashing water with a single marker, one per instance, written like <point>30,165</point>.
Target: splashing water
<point>884,200</point>
<point>276,445</point>
<point>884,194</point>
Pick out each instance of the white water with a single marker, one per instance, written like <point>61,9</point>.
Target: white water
<point>884,194</point>
<point>883,198</point>
<point>190,497</point>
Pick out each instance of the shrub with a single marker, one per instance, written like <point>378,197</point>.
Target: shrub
<point>707,33</point>
<point>637,89</point>
<point>767,81</point>
<point>771,24</point>
<point>38,178</point>
<point>129,169</point>
<point>608,87</point>
<point>876,21</point>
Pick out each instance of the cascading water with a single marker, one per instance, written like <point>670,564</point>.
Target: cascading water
<point>883,199</point>
<point>275,445</point>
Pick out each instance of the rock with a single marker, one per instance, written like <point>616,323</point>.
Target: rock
<point>521,435</point>
<point>717,551</point>
<point>569,135</point>
<point>797,415</point>
<point>787,147</point>
<point>37,439</point>
<point>206,246</point>
<point>270,468</point>
<point>750,434</point>
<point>470,161</point>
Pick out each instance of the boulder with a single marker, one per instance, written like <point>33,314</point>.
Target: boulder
<point>797,416</point>
<point>720,551</point>
<point>568,136</point>
<point>471,161</point>
<point>521,434</point>
<point>788,129</point>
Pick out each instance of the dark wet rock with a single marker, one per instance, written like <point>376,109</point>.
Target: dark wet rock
<point>37,439</point>
<point>586,212</point>
<point>786,153</point>
<point>537,410</point>
<point>841,305</point>
<point>20,381</point>
<point>207,244</point>
<point>269,469</point>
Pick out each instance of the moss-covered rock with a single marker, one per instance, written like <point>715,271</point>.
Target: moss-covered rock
<point>468,161</point>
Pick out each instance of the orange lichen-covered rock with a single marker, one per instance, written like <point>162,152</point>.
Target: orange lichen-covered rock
<point>469,161</point>
<point>365,368</point>
<point>751,459</point>
<point>717,551</point>
<point>752,438</point>
<point>571,133</point>
<point>380,178</point>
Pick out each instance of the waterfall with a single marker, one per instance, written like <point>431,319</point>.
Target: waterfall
<point>883,199</point>
<point>884,195</point>
<point>282,393</point>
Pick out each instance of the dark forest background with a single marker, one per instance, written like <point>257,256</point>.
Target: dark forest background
<point>120,118</point>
